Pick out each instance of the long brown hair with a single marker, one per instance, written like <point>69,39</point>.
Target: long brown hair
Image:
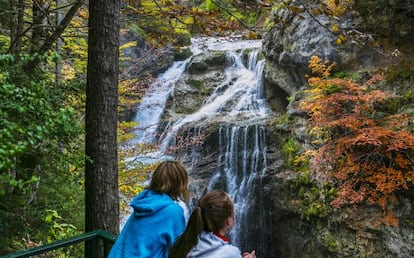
<point>213,210</point>
<point>171,177</point>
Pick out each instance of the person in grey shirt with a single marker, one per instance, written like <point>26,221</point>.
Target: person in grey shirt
<point>204,236</point>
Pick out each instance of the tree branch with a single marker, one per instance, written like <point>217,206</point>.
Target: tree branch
<point>61,27</point>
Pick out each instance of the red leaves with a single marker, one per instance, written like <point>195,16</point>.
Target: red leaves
<point>370,152</point>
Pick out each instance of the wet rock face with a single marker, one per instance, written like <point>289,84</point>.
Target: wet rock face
<point>142,58</point>
<point>393,20</point>
<point>203,73</point>
<point>287,48</point>
<point>289,45</point>
<point>204,62</point>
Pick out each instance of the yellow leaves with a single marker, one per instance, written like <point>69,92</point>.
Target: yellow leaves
<point>83,13</point>
<point>128,45</point>
<point>320,68</point>
<point>149,4</point>
<point>252,35</point>
<point>314,81</point>
<point>125,131</point>
<point>335,28</point>
<point>338,7</point>
<point>341,39</point>
<point>130,190</point>
<point>189,20</point>
<point>296,9</point>
<point>68,72</point>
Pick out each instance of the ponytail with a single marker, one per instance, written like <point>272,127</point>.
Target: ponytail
<point>188,239</point>
<point>211,214</point>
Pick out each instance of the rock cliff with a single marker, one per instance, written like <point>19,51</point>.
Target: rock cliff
<point>303,225</point>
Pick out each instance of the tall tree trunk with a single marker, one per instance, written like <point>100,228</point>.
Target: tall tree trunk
<point>17,29</point>
<point>58,68</point>
<point>20,26</point>
<point>13,27</point>
<point>101,170</point>
<point>39,31</point>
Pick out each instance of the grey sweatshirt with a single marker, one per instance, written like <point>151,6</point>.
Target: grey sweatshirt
<point>211,246</point>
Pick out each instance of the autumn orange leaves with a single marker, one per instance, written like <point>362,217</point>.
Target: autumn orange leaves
<point>364,147</point>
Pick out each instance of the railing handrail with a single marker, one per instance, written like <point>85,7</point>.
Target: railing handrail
<point>97,234</point>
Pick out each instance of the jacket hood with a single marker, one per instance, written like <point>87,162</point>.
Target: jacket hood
<point>210,246</point>
<point>149,202</point>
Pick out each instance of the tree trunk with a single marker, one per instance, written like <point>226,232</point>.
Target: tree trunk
<point>13,27</point>
<point>39,30</point>
<point>20,26</point>
<point>101,169</point>
<point>58,68</point>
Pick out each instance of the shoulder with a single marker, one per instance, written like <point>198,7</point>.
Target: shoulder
<point>173,211</point>
<point>186,210</point>
<point>230,251</point>
<point>216,247</point>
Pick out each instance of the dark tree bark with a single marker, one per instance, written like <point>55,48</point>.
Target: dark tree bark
<point>20,26</point>
<point>59,43</point>
<point>39,26</point>
<point>16,25</point>
<point>13,26</point>
<point>101,169</point>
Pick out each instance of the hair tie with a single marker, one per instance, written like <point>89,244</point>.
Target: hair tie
<point>201,209</point>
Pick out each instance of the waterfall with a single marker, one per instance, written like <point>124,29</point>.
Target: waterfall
<point>238,108</point>
<point>152,105</point>
<point>242,159</point>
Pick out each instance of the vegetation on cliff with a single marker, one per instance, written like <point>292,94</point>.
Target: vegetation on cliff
<point>365,144</point>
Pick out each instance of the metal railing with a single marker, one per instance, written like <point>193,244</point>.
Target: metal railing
<point>94,236</point>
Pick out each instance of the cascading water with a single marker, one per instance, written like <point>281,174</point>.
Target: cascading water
<point>239,109</point>
<point>152,105</point>
<point>241,161</point>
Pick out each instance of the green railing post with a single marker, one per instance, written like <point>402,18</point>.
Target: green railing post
<point>95,236</point>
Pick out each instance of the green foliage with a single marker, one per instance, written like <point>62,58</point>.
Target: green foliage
<point>41,156</point>
<point>135,28</point>
<point>330,241</point>
<point>29,114</point>
<point>316,200</point>
<point>270,22</point>
<point>208,5</point>
<point>408,96</point>
<point>403,71</point>
<point>58,230</point>
<point>290,150</point>
<point>4,43</point>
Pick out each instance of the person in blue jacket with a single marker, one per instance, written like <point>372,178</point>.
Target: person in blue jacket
<point>204,236</point>
<point>158,217</point>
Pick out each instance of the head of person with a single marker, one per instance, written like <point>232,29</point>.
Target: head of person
<point>215,213</point>
<point>216,209</point>
<point>171,177</point>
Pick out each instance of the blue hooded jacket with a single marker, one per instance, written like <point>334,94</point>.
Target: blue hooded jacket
<point>157,220</point>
